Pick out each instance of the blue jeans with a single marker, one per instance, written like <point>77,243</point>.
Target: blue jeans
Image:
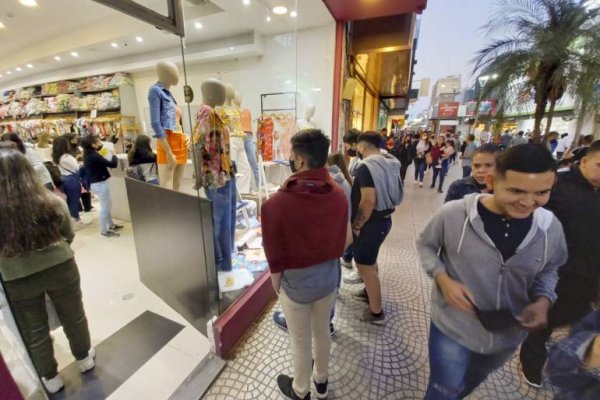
<point>71,186</point>
<point>102,190</point>
<point>466,171</point>
<point>224,204</point>
<point>420,168</point>
<point>442,172</point>
<point>251,154</point>
<point>456,371</point>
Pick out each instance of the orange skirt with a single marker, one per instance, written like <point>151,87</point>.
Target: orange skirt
<point>178,143</point>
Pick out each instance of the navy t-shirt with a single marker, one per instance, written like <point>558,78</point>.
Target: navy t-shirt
<point>507,234</point>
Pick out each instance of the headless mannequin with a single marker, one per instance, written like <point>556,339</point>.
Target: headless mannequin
<point>249,145</point>
<point>214,171</point>
<point>171,172</point>
<point>230,113</point>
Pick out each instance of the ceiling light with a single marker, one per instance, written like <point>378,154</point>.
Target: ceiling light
<point>268,18</point>
<point>139,39</point>
<point>2,25</point>
<point>246,2</point>
<point>28,3</point>
<point>8,72</point>
<point>57,58</point>
<point>316,89</point>
<point>293,14</point>
<point>115,45</point>
<point>231,48</point>
<point>75,54</point>
<point>0,75</point>
<point>29,65</point>
<point>198,25</point>
<point>280,10</point>
<point>19,69</point>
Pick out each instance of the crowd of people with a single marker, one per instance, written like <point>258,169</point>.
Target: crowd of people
<point>513,253</point>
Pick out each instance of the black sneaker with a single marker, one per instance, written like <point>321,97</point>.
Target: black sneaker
<point>331,330</point>
<point>322,391</point>
<point>361,295</point>
<point>110,234</point>
<point>279,321</point>
<point>368,316</point>
<point>115,227</point>
<point>531,377</point>
<point>285,387</point>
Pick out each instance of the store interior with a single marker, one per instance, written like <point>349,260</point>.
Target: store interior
<point>82,67</point>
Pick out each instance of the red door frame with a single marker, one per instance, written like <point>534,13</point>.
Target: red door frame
<point>340,29</point>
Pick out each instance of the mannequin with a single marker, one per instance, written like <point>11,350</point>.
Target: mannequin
<point>249,144</point>
<point>165,115</point>
<point>230,114</point>
<point>306,123</point>
<point>214,171</point>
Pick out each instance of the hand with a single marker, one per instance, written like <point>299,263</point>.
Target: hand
<point>356,232</point>
<point>535,316</point>
<point>457,295</point>
<point>171,160</point>
<point>592,357</point>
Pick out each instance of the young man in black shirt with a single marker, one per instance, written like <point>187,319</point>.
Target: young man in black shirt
<point>377,189</point>
<point>483,164</point>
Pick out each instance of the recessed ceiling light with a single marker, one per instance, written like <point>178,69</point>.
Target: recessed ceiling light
<point>115,45</point>
<point>139,39</point>
<point>316,89</point>
<point>57,58</point>
<point>0,75</point>
<point>28,3</point>
<point>293,14</point>
<point>75,54</point>
<point>29,65</point>
<point>19,69</point>
<point>2,25</point>
<point>8,72</point>
<point>231,48</point>
<point>268,18</point>
<point>280,10</point>
<point>198,25</point>
<point>246,2</point>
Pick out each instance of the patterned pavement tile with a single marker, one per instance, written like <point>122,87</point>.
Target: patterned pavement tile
<point>370,362</point>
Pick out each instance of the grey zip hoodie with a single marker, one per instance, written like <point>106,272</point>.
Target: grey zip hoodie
<point>385,170</point>
<point>455,242</point>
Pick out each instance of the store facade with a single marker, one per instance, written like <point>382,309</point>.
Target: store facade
<point>90,69</point>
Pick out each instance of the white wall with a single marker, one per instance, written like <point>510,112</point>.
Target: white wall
<point>291,62</point>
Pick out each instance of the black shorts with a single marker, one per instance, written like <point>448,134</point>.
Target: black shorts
<point>366,246</point>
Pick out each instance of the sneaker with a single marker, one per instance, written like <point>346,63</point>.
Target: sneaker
<point>532,378</point>
<point>79,224</point>
<point>87,363</point>
<point>416,182</point>
<point>431,187</point>
<point>440,191</point>
<point>53,385</point>
<point>331,331</point>
<point>110,234</point>
<point>420,184</point>
<point>285,387</point>
<point>322,391</point>
<point>361,295</point>
<point>347,264</point>
<point>115,227</point>
<point>353,278</point>
<point>368,316</point>
<point>279,321</point>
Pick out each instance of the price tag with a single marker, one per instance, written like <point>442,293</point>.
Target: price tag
<point>94,114</point>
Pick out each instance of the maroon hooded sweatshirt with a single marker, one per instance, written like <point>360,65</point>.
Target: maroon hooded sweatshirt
<point>305,222</point>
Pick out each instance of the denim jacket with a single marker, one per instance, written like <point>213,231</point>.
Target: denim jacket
<point>565,362</point>
<point>163,114</point>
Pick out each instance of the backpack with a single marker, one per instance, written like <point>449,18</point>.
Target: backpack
<point>136,172</point>
<point>54,173</point>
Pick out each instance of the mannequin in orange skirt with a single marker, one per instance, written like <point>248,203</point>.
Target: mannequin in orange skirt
<point>165,115</point>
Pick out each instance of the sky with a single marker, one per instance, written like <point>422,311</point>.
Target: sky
<point>449,38</point>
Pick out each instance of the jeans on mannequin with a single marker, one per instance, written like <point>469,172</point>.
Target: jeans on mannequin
<point>224,204</point>
<point>238,155</point>
<point>251,154</point>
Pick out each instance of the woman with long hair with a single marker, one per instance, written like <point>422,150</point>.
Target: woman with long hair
<point>35,159</point>
<point>70,177</point>
<point>96,167</point>
<point>36,260</point>
<point>422,148</point>
<point>142,158</point>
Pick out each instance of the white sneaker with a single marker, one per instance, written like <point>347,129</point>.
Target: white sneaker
<point>87,363</point>
<point>53,385</point>
<point>420,184</point>
<point>79,224</point>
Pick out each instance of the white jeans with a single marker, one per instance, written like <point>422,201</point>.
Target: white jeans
<point>308,325</point>
<point>237,150</point>
<point>102,191</point>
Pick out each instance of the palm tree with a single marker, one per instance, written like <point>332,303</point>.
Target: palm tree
<point>537,52</point>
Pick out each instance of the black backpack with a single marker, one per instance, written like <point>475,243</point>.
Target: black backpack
<point>54,173</point>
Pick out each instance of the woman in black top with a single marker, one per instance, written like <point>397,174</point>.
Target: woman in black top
<point>406,154</point>
<point>96,167</point>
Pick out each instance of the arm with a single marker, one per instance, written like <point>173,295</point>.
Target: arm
<point>155,102</point>
<point>69,163</point>
<point>112,163</point>
<point>276,281</point>
<point>368,200</point>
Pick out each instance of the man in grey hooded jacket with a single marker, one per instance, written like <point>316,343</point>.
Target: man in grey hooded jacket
<point>494,260</point>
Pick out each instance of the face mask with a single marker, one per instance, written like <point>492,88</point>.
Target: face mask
<point>351,152</point>
<point>293,166</point>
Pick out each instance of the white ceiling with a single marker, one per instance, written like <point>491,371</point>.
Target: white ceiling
<point>58,27</point>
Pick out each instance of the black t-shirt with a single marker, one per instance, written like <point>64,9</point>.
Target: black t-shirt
<point>363,178</point>
<point>507,234</point>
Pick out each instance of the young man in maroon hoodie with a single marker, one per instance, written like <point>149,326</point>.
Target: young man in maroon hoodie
<point>305,231</point>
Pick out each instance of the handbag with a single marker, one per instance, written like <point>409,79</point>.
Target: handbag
<point>136,172</point>
<point>429,159</point>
